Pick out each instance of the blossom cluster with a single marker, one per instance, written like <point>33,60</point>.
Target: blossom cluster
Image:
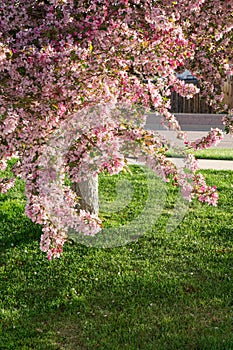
<point>205,193</point>
<point>212,139</point>
<point>228,122</point>
<point>6,184</point>
<point>186,90</point>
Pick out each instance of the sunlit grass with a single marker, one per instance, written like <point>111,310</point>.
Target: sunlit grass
<point>211,153</point>
<point>164,291</point>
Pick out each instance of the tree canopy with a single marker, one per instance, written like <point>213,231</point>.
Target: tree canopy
<point>84,65</point>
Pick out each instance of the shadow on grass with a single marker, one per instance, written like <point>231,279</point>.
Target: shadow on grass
<point>16,227</point>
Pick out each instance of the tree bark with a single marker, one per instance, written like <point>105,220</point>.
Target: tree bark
<point>87,191</point>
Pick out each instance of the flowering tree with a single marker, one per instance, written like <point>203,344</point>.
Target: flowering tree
<point>82,66</point>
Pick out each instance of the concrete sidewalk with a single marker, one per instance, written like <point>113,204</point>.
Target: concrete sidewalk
<point>214,164</point>
<point>202,163</point>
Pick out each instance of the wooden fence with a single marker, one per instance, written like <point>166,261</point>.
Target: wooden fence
<point>197,104</point>
<point>228,91</point>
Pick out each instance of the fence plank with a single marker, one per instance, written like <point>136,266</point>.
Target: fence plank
<point>228,91</point>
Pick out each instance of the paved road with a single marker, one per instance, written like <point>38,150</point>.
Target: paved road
<point>196,126</point>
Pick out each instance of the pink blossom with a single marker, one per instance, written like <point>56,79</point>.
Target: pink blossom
<point>213,138</point>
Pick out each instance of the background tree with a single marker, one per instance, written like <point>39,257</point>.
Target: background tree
<point>59,59</point>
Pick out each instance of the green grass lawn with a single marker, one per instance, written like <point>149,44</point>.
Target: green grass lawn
<point>211,153</point>
<point>215,153</point>
<point>164,291</point>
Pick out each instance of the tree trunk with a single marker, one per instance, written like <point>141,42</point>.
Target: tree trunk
<point>87,191</point>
